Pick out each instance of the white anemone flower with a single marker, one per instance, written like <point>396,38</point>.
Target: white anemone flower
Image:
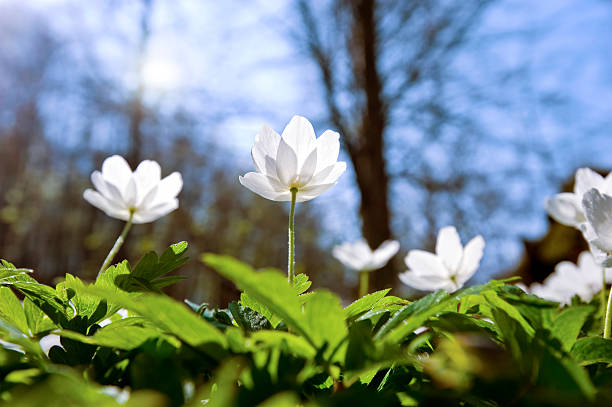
<point>296,160</point>
<point>359,257</point>
<point>449,268</point>
<point>566,207</point>
<point>597,229</point>
<point>141,195</point>
<point>583,279</point>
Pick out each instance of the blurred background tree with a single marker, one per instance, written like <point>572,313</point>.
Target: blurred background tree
<point>451,112</point>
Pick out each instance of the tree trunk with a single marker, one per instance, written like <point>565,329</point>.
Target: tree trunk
<point>367,154</point>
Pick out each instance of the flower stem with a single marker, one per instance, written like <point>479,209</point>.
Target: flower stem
<point>364,279</point>
<point>603,297</point>
<point>291,259</point>
<point>117,245</point>
<point>606,333</point>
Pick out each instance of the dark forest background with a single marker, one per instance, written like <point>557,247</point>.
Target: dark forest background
<point>464,112</point>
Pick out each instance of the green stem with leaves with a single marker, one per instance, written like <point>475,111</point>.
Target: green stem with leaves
<point>118,244</point>
<point>364,282</point>
<point>291,257</point>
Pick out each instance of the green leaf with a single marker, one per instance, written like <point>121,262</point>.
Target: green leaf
<point>285,399</point>
<point>326,323</point>
<point>115,277</point>
<point>43,296</point>
<point>296,345</point>
<point>587,351</point>
<point>11,310</point>
<point>38,322</point>
<point>495,301</point>
<point>418,312</point>
<point>12,334</point>
<point>567,325</point>
<point>251,303</point>
<point>539,356</point>
<point>270,288</point>
<point>247,318</point>
<point>364,304</point>
<point>150,267</point>
<point>301,283</point>
<point>127,334</point>
<point>167,314</point>
<point>412,316</point>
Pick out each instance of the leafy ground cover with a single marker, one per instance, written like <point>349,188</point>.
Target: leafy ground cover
<point>287,345</point>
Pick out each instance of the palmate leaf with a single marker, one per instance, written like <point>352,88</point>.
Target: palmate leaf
<point>167,314</point>
<point>43,296</point>
<point>126,334</point>
<point>148,272</point>
<point>269,288</point>
<point>364,304</point>
<point>325,320</point>
<point>412,316</point>
<point>38,322</point>
<point>248,319</point>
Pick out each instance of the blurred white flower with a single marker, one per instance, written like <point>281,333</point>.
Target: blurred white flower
<point>449,268</point>
<point>121,312</point>
<point>566,207</point>
<point>121,395</point>
<point>49,341</point>
<point>359,257</point>
<point>568,279</point>
<point>297,159</point>
<point>597,229</point>
<point>120,192</point>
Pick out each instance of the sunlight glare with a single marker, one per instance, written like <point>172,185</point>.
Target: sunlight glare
<point>160,74</point>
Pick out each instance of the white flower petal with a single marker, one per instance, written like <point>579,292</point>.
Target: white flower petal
<point>598,210</point>
<point>307,169</point>
<point>259,184</point>
<point>149,200</point>
<point>169,187</point>
<point>449,248</point>
<point>300,136</point>
<point>96,199</point>
<point>114,195</point>
<point>264,149</point>
<point>329,174</point>
<point>130,194</point>
<point>310,192</point>
<point>117,171</point>
<point>346,256</point>
<point>424,283</point>
<point>156,212</point>
<point>385,252</point>
<point>100,202</point>
<point>328,148</point>
<point>100,184</point>
<point>286,164</point>
<point>471,259</point>
<point>425,263</point>
<point>566,209</point>
<point>147,176</point>
<point>586,179</point>
<point>606,187</point>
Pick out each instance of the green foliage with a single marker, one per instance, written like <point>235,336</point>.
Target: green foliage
<point>283,345</point>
